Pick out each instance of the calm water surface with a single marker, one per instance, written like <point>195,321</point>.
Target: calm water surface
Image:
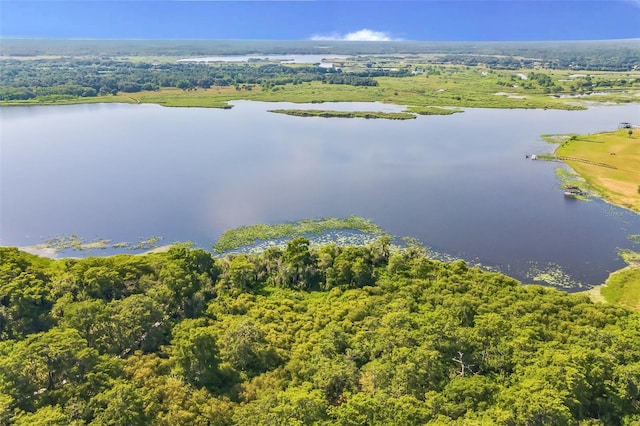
<point>459,183</point>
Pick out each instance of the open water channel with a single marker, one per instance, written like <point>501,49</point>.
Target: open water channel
<point>460,183</point>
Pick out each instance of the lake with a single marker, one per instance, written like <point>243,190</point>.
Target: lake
<point>460,183</point>
<point>291,59</point>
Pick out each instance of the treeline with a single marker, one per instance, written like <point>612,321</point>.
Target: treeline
<point>606,61</point>
<point>610,55</point>
<point>331,335</point>
<point>22,80</point>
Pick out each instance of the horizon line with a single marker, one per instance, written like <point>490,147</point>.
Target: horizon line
<point>18,37</point>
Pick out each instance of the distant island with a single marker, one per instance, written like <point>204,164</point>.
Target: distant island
<point>345,114</point>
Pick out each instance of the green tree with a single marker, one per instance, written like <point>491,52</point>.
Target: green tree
<point>25,304</point>
<point>134,322</point>
<point>45,416</point>
<point>88,317</point>
<point>298,264</point>
<point>55,361</point>
<point>195,352</point>
<point>245,348</point>
<point>240,274</point>
<point>121,405</point>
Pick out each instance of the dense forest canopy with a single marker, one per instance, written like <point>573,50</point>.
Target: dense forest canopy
<point>22,80</point>
<point>304,335</point>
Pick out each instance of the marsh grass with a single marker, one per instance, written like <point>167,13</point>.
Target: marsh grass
<point>429,110</point>
<point>568,178</point>
<point>556,139</point>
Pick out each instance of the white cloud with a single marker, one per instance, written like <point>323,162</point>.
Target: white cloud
<point>360,35</point>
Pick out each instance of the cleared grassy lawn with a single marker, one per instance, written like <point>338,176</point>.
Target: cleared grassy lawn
<point>620,185</point>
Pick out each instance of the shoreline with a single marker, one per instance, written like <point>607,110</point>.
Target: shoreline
<point>190,101</point>
<point>52,253</point>
<point>595,292</point>
<point>415,93</point>
<point>594,180</point>
<point>227,105</point>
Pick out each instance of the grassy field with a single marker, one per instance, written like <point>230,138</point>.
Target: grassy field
<point>618,184</point>
<point>345,114</point>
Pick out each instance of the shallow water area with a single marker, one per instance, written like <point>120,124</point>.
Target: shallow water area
<point>459,183</point>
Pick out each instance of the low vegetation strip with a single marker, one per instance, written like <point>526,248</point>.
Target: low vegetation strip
<point>246,235</point>
<point>345,114</point>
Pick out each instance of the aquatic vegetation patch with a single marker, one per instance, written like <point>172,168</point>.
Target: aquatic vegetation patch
<point>570,179</point>
<point>249,235</point>
<point>556,139</point>
<point>552,274</point>
<point>72,242</point>
<point>342,237</point>
<point>635,238</point>
<point>76,243</point>
<point>629,256</point>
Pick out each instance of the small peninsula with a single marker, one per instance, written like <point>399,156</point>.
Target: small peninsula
<point>609,162</point>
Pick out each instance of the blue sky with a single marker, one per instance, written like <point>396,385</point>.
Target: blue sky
<point>298,20</point>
